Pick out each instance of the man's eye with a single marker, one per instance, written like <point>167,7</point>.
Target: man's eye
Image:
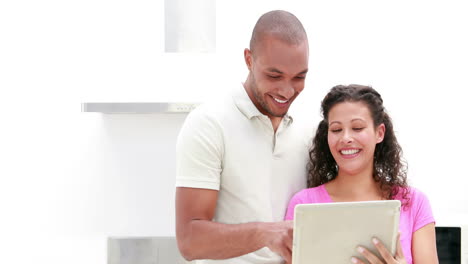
<point>300,77</point>
<point>274,76</point>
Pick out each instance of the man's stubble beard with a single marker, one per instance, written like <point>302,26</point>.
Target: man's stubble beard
<point>261,100</point>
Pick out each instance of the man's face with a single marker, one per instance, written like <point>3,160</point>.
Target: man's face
<point>278,72</point>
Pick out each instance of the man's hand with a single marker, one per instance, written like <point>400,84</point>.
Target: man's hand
<point>278,238</point>
<point>199,237</point>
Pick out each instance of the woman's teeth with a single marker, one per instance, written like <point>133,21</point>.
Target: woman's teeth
<point>349,151</point>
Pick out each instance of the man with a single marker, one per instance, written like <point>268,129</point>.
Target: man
<point>240,160</point>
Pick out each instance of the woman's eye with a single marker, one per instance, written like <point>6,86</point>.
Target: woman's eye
<point>335,130</point>
<point>358,128</point>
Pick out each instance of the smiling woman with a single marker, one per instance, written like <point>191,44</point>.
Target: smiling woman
<point>356,157</point>
<point>353,136</point>
<point>356,120</point>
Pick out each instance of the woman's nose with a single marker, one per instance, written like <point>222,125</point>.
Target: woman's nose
<point>347,138</point>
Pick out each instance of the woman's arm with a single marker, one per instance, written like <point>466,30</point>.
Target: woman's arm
<point>424,245</point>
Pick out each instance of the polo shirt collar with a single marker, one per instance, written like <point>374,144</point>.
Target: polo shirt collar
<point>247,107</point>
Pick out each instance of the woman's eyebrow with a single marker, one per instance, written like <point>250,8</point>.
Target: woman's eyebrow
<point>334,122</point>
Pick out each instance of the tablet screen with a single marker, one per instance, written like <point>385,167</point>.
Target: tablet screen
<point>330,232</point>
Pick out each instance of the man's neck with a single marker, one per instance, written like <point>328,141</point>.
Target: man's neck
<point>275,121</point>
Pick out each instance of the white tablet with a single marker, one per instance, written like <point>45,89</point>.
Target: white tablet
<point>331,232</point>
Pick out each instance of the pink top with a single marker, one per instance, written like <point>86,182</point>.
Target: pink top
<point>412,217</point>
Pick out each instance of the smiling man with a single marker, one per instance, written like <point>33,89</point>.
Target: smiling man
<point>278,64</point>
<point>241,159</point>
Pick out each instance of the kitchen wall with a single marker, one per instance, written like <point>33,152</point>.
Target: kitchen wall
<point>71,179</point>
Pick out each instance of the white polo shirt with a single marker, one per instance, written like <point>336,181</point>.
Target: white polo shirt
<point>231,147</point>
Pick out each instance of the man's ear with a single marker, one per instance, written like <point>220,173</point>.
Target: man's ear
<point>248,58</point>
<point>380,132</point>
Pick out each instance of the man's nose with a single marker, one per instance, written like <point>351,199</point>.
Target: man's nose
<point>287,90</point>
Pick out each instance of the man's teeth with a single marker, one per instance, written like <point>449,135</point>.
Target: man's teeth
<point>280,101</point>
<point>349,151</point>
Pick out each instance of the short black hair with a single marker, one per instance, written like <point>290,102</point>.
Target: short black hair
<point>280,24</point>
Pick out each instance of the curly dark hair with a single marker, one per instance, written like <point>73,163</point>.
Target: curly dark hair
<point>389,167</point>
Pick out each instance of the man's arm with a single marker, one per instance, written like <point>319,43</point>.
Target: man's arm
<point>198,237</point>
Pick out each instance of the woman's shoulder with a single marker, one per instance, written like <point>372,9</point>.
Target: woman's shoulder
<point>311,195</point>
<point>411,196</point>
<point>311,190</point>
<point>412,192</point>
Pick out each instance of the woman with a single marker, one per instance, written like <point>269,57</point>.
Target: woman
<point>356,157</point>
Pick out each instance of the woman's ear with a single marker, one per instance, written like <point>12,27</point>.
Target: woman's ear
<point>380,132</point>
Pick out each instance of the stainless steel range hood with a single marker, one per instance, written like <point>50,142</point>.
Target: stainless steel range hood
<point>138,108</point>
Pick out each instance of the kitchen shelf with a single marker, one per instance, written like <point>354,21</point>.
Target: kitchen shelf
<point>138,108</point>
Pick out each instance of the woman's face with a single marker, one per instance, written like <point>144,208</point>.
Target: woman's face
<point>352,137</point>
